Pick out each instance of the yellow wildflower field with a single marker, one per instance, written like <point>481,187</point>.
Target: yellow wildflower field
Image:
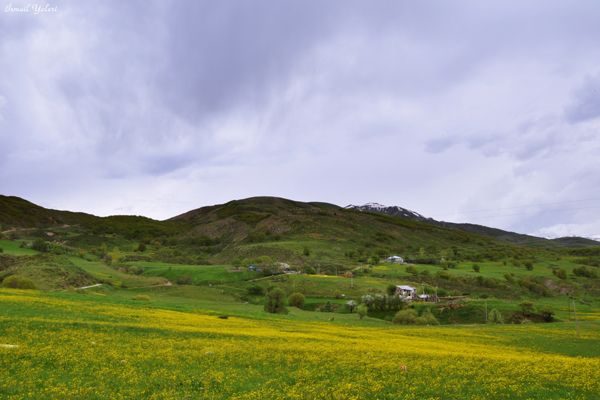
<point>62,348</point>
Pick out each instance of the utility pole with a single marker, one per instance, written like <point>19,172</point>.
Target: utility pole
<point>576,321</point>
<point>486,315</point>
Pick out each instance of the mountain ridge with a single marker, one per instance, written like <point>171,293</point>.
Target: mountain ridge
<point>500,234</point>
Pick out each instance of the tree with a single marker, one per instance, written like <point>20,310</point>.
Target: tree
<point>373,260</point>
<point>391,290</point>
<point>405,317</point>
<point>255,290</point>
<point>40,245</point>
<point>362,311</point>
<point>526,308</point>
<point>296,300</point>
<point>427,318</point>
<point>495,317</point>
<point>275,301</point>
<point>351,304</point>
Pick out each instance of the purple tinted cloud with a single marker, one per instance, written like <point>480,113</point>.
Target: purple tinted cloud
<point>436,106</point>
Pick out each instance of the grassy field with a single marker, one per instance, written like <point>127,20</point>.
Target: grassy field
<point>197,274</point>
<point>107,345</point>
<point>12,247</point>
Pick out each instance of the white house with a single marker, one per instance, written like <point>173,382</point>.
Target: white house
<point>395,260</point>
<point>406,292</point>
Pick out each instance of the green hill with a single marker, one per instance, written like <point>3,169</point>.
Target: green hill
<point>285,230</point>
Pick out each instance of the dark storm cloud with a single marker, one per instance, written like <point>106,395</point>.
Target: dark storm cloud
<point>438,106</point>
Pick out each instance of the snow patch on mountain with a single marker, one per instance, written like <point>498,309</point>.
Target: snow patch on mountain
<point>389,210</point>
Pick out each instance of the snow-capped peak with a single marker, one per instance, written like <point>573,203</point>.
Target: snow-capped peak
<point>389,210</point>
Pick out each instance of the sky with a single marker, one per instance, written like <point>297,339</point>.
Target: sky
<point>465,111</point>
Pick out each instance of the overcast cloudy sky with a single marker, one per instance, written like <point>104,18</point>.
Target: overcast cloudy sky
<point>478,111</point>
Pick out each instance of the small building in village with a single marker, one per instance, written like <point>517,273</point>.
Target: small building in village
<point>406,292</point>
<point>395,260</point>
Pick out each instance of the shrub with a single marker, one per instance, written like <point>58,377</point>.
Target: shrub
<point>362,311</point>
<point>255,290</point>
<point>184,280</point>
<point>476,267</point>
<point>547,314</point>
<point>275,301</point>
<point>529,266</point>
<point>306,251</point>
<point>141,297</point>
<point>40,245</point>
<point>495,316</point>
<point>411,270</point>
<point>18,282</point>
<point>426,318</point>
<point>296,300</point>
<point>1,250</point>
<point>391,290</point>
<point>586,272</point>
<point>405,317</point>
<point>526,308</point>
<point>141,247</point>
<point>560,273</point>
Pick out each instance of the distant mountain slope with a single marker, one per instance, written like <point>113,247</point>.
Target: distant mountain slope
<point>499,234</point>
<point>18,212</point>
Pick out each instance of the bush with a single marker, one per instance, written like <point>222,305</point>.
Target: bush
<point>411,270</point>
<point>327,307</point>
<point>586,272</point>
<point>255,290</point>
<point>405,317</point>
<point>362,311</point>
<point>547,314</point>
<point>560,273</point>
<point>1,250</point>
<point>296,300</point>
<point>426,318</point>
<point>306,251</point>
<point>184,280</point>
<point>526,308</point>
<point>40,245</point>
<point>18,282</point>
<point>141,247</point>
<point>529,266</point>
<point>495,316</point>
<point>141,297</point>
<point>275,301</point>
<point>476,267</point>
<point>391,290</point>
